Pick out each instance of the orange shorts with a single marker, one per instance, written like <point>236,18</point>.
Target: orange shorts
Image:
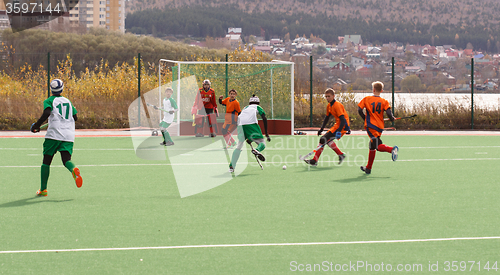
<point>229,127</point>
<point>374,133</point>
<point>333,129</point>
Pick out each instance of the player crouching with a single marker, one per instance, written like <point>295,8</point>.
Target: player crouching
<point>249,131</point>
<point>341,127</point>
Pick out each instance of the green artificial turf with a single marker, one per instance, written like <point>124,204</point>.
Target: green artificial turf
<point>440,187</point>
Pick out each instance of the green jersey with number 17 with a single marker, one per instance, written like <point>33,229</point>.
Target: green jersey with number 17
<point>61,122</point>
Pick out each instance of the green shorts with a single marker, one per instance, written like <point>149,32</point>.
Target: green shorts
<point>52,146</point>
<point>163,124</point>
<point>250,131</point>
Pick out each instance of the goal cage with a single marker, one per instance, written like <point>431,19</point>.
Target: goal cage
<point>271,81</point>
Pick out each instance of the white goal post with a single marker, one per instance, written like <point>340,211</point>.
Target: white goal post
<point>271,81</point>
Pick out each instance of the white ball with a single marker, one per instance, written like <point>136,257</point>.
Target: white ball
<point>284,167</point>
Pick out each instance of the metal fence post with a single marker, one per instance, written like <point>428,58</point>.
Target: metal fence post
<point>227,59</point>
<point>48,74</point>
<point>311,91</point>
<point>393,110</point>
<point>472,94</point>
<point>139,89</point>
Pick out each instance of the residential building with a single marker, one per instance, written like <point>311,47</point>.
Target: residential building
<point>339,66</point>
<point>109,14</point>
<point>356,62</point>
<point>354,39</point>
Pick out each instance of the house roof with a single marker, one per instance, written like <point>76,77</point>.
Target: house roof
<point>353,38</point>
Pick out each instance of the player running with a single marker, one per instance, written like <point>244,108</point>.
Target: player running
<point>249,131</point>
<point>341,127</point>
<point>205,105</point>
<point>233,110</point>
<point>169,108</point>
<point>374,123</point>
<point>60,134</point>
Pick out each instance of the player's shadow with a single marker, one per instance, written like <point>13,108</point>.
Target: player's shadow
<point>316,168</point>
<point>360,178</point>
<point>29,201</point>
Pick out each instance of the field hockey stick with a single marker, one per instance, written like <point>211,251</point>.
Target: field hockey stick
<point>257,159</point>
<point>194,120</point>
<point>312,152</point>
<point>390,128</point>
<point>41,127</point>
<point>406,117</point>
<point>157,108</point>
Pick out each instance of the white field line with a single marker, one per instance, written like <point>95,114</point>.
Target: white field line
<point>224,163</point>
<point>267,148</point>
<point>247,245</point>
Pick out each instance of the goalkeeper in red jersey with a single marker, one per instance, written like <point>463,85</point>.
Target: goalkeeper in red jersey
<point>341,127</point>
<point>205,106</point>
<point>375,107</point>
<point>233,110</point>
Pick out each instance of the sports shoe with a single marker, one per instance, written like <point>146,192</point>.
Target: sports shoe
<point>366,170</point>
<point>40,193</point>
<point>163,143</point>
<point>231,169</point>
<point>394,153</point>
<point>199,135</point>
<point>77,177</point>
<point>259,155</point>
<point>341,158</point>
<point>312,162</point>
<point>170,143</point>
<point>213,135</point>
<point>231,146</point>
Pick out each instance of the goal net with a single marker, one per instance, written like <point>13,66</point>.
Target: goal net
<point>272,82</point>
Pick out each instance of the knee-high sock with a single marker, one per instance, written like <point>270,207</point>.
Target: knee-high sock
<point>210,125</point>
<point>318,152</point>
<point>371,158</point>
<point>261,147</point>
<point>335,148</point>
<point>69,165</point>
<point>166,136</point>
<point>228,138</point>
<point>384,148</point>
<point>44,175</point>
<point>236,156</point>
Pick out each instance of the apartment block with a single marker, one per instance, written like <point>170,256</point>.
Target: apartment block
<point>63,15</point>
<point>109,14</point>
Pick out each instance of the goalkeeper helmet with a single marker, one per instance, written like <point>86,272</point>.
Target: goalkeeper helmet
<point>254,100</point>
<point>206,81</point>
<point>56,86</point>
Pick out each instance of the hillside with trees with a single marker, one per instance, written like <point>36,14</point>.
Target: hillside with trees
<point>212,18</point>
